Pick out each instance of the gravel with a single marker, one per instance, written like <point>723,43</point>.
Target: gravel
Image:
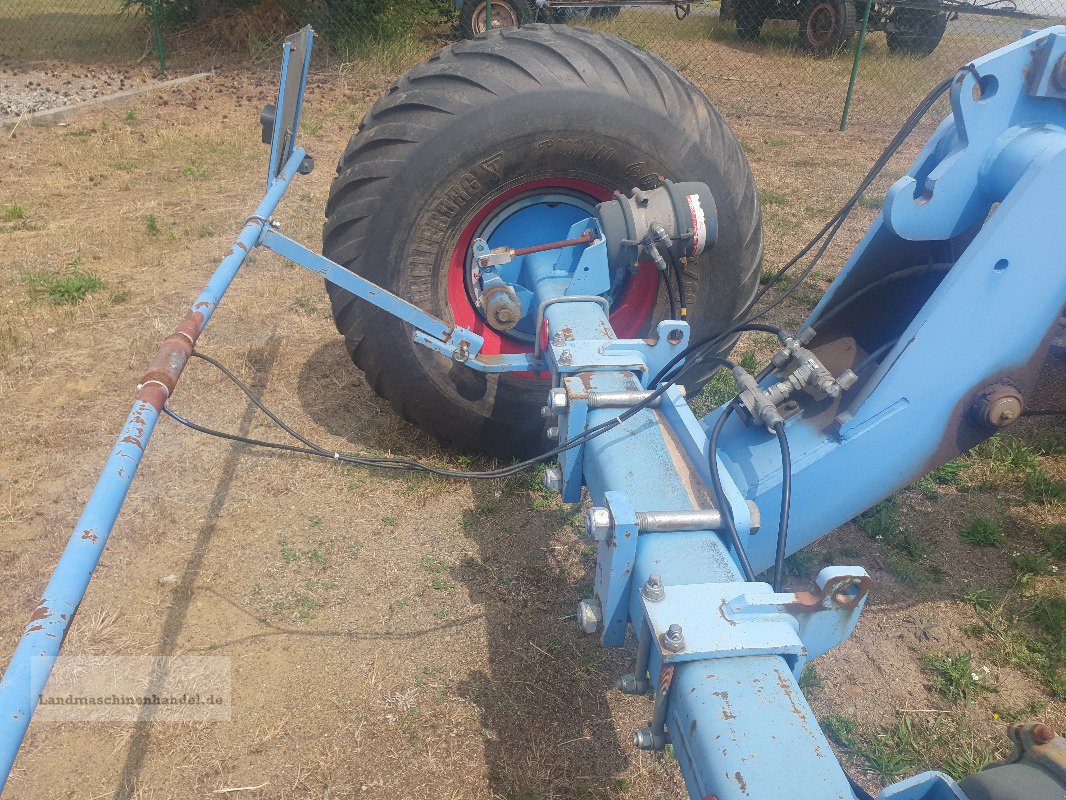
<point>26,90</point>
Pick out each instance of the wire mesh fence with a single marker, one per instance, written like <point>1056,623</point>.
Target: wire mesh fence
<point>790,61</point>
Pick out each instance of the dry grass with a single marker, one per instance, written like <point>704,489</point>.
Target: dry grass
<point>391,636</point>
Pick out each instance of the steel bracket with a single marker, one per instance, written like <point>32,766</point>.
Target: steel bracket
<point>614,568</point>
<point>726,620</point>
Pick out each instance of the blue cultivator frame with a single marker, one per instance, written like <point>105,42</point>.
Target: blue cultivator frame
<point>943,353</point>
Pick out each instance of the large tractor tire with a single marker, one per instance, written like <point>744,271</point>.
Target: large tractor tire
<point>505,14</point>
<point>542,121</point>
<point>915,31</point>
<point>827,26</point>
<point>749,16</point>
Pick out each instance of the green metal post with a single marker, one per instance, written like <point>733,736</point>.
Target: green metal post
<point>159,38</point>
<point>488,15</point>
<point>855,64</point>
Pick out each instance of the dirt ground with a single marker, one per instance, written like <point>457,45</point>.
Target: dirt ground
<point>390,636</point>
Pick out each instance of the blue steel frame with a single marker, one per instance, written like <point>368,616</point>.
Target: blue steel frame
<point>721,652</point>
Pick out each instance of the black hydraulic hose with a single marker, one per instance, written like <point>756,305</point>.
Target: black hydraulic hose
<point>679,274</point>
<point>719,492</point>
<point>710,341</point>
<point>669,292</point>
<point>837,220</point>
<point>892,277</point>
<point>786,502</point>
<point>313,449</point>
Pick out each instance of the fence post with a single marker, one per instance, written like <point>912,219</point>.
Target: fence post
<point>159,38</point>
<point>855,64</point>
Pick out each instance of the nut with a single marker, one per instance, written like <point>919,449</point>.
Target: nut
<point>598,523</point>
<point>653,590</point>
<point>674,639</point>
<point>589,615</point>
<point>647,739</point>
<point>566,358</point>
<point>552,432</point>
<point>553,479</point>
<point>557,400</point>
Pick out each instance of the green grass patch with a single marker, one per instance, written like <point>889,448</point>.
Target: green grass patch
<point>151,225</point>
<point>983,532</point>
<point>12,212</point>
<point>955,676</point>
<point>768,197</point>
<point>874,202</point>
<point>62,287</point>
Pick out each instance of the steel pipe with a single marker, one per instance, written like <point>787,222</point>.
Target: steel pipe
<point>709,519</point>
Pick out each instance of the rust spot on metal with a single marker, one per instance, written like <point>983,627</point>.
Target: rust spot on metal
<point>741,782</point>
<point>133,440</point>
<point>33,628</point>
<point>165,369</point>
<point>41,612</point>
<point>540,248</point>
<point>240,245</point>
<point>691,479</point>
<point>89,536</point>
<point>727,714</point>
<point>841,592</point>
<point>666,677</point>
<point>1041,734</point>
<point>692,727</point>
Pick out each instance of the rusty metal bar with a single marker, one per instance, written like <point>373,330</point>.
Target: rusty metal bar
<point>588,238</point>
<point>31,664</point>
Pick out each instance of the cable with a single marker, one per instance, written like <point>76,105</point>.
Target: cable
<point>710,341</point>
<point>680,277</point>
<point>669,292</point>
<point>313,449</point>
<point>830,229</point>
<point>719,493</point>
<point>829,313</point>
<point>786,502</point>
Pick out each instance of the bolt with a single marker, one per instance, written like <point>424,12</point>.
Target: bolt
<point>566,358</point>
<point>1058,74</point>
<point>598,523</point>
<point>504,315</point>
<point>630,684</point>
<point>558,339</point>
<point>589,615</point>
<point>552,432</point>
<point>653,590</point>
<point>462,352</point>
<point>675,336</point>
<point>647,739</point>
<point>1004,410</point>
<point>547,413</point>
<point>553,479</point>
<point>674,639</point>
<point>557,400</point>
<point>998,405</point>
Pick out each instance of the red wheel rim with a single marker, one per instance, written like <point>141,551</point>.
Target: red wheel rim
<point>820,25</point>
<point>631,311</point>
